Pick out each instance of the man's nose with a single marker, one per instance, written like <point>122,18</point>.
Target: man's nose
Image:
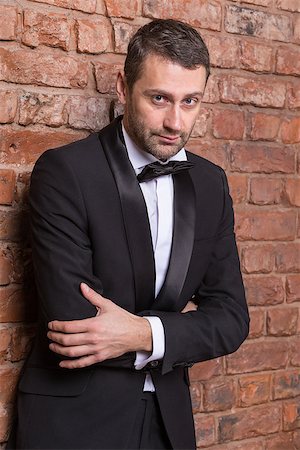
<point>172,120</point>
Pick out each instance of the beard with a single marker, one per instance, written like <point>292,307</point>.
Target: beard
<point>150,141</point>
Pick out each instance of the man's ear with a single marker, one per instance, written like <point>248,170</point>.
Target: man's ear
<point>121,87</point>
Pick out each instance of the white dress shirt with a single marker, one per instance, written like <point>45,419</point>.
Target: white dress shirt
<point>159,195</point>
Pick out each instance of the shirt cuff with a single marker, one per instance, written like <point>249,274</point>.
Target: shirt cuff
<point>158,344</point>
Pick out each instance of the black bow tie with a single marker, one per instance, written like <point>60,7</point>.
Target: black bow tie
<point>157,169</point>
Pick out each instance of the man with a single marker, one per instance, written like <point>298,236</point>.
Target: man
<point>136,266</point>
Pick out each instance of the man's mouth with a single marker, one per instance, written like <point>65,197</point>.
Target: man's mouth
<point>169,139</point>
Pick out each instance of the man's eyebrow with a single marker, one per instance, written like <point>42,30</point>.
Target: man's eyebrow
<point>168,94</point>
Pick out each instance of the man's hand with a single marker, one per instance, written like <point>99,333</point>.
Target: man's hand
<point>111,333</point>
<point>190,306</point>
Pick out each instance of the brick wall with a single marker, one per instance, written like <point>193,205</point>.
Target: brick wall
<point>58,60</point>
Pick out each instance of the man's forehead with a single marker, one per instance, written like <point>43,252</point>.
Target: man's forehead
<point>159,73</point>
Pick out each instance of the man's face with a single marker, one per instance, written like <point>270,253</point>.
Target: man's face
<point>162,106</point>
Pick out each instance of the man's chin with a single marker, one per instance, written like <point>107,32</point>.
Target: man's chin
<point>164,152</point>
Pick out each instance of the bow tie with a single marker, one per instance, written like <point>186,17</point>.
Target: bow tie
<point>157,169</point>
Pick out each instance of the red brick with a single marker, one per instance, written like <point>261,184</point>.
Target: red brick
<point>238,185</point>
<point>196,396</point>
<point>51,29</point>
<point>254,390</point>
<point>5,268</point>
<point>12,304</point>
<point>282,321</point>
<point>5,419</point>
<point>288,257</point>
<point>257,323</point>
<point>228,124</point>
<point>288,61</point>
<point>22,193</point>
<point>264,290</point>
<point>198,14</point>
<point>264,126</point>
<point>122,34</point>
<point>283,441</point>
<point>292,190</point>
<point>243,445</point>
<point>5,339</point>
<point>291,415</point>
<point>286,384</point>
<point>8,381</point>
<point>265,191</point>
<point>21,342</point>
<point>266,225</point>
<point>256,57</point>
<point>201,124</point>
<point>251,22</point>
<point>106,76</point>
<point>223,51</point>
<point>289,5</point>
<point>44,69</point>
<point>122,8</point>
<point>294,351</point>
<point>89,113</point>
<point>257,421</point>
<point>255,91</point>
<point>257,2</point>
<point>293,288</point>
<point>8,23</point>
<point>94,35</point>
<point>218,395</point>
<point>262,158</point>
<point>206,370</point>
<point>46,109</point>
<point>212,91</point>
<point>7,186</point>
<point>256,357</point>
<point>297,28</point>
<point>88,6</point>
<point>8,106</point>
<point>24,146</point>
<point>293,94</point>
<point>11,222</point>
<point>213,151</point>
<point>290,130</point>
<point>20,258</point>
<point>258,258</point>
<point>205,430</point>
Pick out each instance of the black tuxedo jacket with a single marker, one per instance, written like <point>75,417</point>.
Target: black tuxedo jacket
<point>89,223</point>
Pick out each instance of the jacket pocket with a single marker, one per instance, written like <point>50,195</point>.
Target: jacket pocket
<point>54,382</point>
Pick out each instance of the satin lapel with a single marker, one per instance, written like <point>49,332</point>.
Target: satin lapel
<point>183,242</point>
<point>134,214</point>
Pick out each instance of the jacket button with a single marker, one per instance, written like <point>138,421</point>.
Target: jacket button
<point>153,364</point>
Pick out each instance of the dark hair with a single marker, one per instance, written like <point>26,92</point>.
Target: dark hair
<point>171,39</point>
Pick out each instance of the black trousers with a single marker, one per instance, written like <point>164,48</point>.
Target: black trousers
<point>149,431</point>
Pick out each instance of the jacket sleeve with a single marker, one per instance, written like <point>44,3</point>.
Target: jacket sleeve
<point>62,251</point>
<point>221,322</point>
<point>62,255</point>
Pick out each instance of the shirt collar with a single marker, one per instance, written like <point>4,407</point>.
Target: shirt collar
<point>139,159</point>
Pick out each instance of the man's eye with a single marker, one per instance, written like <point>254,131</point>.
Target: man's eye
<point>158,98</point>
<point>190,101</point>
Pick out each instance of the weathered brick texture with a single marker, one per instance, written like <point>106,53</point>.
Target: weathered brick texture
<point>58,65</point>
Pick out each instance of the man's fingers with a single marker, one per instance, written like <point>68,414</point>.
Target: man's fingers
<point>70,326</point>
<point>93,296</point>
<point>190,306</point>
<point>85,361</point>
<point>72,338</point>
<point>72,352</point>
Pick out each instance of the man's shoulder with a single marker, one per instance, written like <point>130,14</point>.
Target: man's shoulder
<point>80,150</point>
